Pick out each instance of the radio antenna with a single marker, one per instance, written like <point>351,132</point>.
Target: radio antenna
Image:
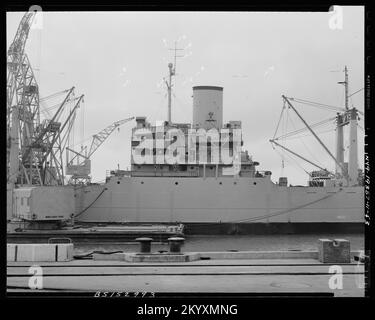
<point>172,72</point>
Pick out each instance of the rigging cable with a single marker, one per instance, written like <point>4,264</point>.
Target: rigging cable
<point>305,128</point>
<point>307,147</point>
<point>295,161</point>
<point>89,255</point>
<point>280,118</point>
<point>355,92</point>
<point>318,105</point>
<point>266,216</point>
<point>78,214</point>
<point>309,135</point>
<point>287,210</point>
<point>53,95</point>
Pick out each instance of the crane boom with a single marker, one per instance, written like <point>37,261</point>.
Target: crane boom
<point>100,137</point>
<point>303,158</point>
<point>43,132</point>
<point>16,56</point>
<point>22,104</point>
<point>19,41</point>
<point>314,134</point>
<point>80,172</point>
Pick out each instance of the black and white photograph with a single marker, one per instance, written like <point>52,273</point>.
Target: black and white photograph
<point>197,153</point>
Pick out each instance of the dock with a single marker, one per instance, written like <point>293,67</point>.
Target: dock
<point>248,276</point>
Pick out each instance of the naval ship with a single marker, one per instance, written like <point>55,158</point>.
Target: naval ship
<point>198,189</point>
<point>208,198</point>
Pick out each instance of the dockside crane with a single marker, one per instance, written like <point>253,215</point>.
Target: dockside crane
<point>35,144</point>
<point>32,142</point>
<point>22,107</point>
<point>80,172</point>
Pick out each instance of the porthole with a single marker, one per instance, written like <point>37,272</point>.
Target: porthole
<point>234,182</point>
<point>254,183</point>
<point>118,182</point>
<point>176,183</point>
<point>142,182</point>
<point>220,182</point>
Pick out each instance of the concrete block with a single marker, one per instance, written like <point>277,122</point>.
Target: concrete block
<point>36,252</point>
<point>334,251</point>
<point>11,252</point>
<point>40,252</point>
<point>65,251</point>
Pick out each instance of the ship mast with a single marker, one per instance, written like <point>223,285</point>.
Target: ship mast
<point>348,117</point>
<point>169,88</point>
<point>340,145</point>
<point>341,121</point>
<point>346,84</point>
<point>172,72</point>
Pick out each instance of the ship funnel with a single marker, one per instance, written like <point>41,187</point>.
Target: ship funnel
<point>207,107</point>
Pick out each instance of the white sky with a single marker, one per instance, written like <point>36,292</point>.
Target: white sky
<point>118,60</point>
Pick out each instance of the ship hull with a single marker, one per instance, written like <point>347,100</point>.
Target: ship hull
<point>223,205</point>
<point>275,228</point>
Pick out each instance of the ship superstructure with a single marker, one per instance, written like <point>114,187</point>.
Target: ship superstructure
<point>208,113</point>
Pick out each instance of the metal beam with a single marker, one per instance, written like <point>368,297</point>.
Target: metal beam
<point>100,137</point>
<point>314,134</point>
<point>296,154</point>
<point>63,127</point>
<point>42,134</point>
<point>77,153</point>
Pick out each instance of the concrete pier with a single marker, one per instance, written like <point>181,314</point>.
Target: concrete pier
<point>218,274</point>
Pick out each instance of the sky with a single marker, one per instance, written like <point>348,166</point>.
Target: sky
<point>118,61</point>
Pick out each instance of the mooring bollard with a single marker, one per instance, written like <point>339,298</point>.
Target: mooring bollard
<point>145,244</point>
<point>175,244</point>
